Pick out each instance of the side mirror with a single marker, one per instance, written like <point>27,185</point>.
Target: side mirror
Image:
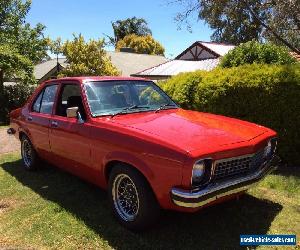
<point>73,112</point>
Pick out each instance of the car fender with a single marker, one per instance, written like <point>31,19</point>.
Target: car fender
<point>130,159</point>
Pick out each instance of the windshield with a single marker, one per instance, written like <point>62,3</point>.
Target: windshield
<point>115,97</point>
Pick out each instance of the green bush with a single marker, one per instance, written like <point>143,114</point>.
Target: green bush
<point>14,96</point>
<point>265,94</point>
<point>255,52</point>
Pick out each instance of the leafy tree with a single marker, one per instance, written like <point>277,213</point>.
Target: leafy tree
<point>12,17</point>
<point>56,46</point>
<point>32,43</point>
<point>28,41</point>
<point>284,18</point>
<point>13,64</point>
<point>255,52</point>
<point>134,25</point>
<point>20,45</point>
<point>141,44</point>
<point>238,21</point>
<point>87,58</point>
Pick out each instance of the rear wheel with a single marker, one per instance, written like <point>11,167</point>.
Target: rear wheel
<point>29,155</point>
<point>132,200</point>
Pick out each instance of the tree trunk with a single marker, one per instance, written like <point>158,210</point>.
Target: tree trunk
<point>1,82</point>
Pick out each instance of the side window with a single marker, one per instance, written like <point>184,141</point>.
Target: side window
<point>48,99</point>
<point>37,103</point>
<point>70,96</point>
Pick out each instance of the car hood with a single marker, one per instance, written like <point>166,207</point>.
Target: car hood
<point>191,130</point>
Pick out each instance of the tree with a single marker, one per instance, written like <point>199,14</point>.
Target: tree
<point>32,43</point>
<point>12,17</point>
<point>255,52</point>
<point>283,23</point>
<point>141,44</point>
<point>87,58</point>
<point>20,45</point>
<point>134,25</point>
<point>238,21</point>
<point>56,48</point>
<point>28,41</point>
<point>13,64</point>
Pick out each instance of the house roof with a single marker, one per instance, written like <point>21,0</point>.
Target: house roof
<point>175,67</point>
<point>295,55</point>
<point>204,50</point>
<point>41,69</point>
<point>130,63</point>
<point>127,63</point>
<point>219,48</point>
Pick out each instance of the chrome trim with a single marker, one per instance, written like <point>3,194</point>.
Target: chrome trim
<point>202,203</point>
<point>214,191</point>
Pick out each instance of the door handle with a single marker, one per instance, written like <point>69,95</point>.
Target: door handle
<point>29,118</point>
<point>54,124</point>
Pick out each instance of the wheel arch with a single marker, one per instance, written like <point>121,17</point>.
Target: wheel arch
<point>21,134</point>
<point>138,165</point>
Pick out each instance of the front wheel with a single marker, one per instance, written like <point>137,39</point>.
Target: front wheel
<point>132,200</point>
<point>29,155</point>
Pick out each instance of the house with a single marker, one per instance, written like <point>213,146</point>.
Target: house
<point>126,62</point>
<point>199,56</point>
<point>295,55</point>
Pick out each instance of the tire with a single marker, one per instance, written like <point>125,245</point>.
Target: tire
<point>136,208</point>
<point>30,158</point>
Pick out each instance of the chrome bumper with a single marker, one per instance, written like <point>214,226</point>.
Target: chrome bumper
<point>214,191</point>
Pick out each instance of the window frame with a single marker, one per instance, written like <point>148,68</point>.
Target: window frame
<point>42,91</point>
<point>59,95</point>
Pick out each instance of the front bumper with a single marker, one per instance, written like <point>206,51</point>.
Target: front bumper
<point>214,191</point>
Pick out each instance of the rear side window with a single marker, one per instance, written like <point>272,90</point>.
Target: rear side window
<point>37,103</point>
<point>45,101</point>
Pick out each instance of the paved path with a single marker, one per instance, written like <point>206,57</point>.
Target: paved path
<point>8,143</point>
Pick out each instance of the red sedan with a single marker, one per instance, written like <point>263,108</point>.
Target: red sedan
<point>127,136</point>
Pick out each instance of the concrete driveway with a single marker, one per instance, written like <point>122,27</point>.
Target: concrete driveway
<point>8,143</point>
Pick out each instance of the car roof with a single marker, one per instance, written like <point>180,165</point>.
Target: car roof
<point>83,79</point>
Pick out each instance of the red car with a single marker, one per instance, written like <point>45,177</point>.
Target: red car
<point>127,136</point>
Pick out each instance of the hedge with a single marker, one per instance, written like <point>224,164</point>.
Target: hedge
<point>14,97</point>
<point>265,94</point>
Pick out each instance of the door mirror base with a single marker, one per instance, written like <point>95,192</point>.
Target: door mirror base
<point>73,112</point>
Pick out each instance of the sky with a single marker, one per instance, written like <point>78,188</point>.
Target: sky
<point>92,18</point>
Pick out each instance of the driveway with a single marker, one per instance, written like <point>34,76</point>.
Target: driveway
<point>8,143</point>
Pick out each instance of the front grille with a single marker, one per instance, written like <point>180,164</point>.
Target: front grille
<point>239,165</point>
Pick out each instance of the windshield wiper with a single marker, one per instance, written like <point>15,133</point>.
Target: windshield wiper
<point>164,106</point>
<point>124,110</point>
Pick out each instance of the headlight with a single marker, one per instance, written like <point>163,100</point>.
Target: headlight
<point>270,148</point>
<point>199,169</point>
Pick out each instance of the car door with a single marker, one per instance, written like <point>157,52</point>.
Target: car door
<point>39,117</point>
<point>69,138</point>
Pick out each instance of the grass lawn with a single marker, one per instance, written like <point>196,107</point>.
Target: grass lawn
<point>52,209</point>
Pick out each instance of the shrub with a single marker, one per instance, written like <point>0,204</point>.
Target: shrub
<point>141,44</point>
<point>255,52</point>
<point>14,96</point>
<point>265,94</point>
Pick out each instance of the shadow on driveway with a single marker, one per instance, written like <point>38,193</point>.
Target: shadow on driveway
<point>216,227</point>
